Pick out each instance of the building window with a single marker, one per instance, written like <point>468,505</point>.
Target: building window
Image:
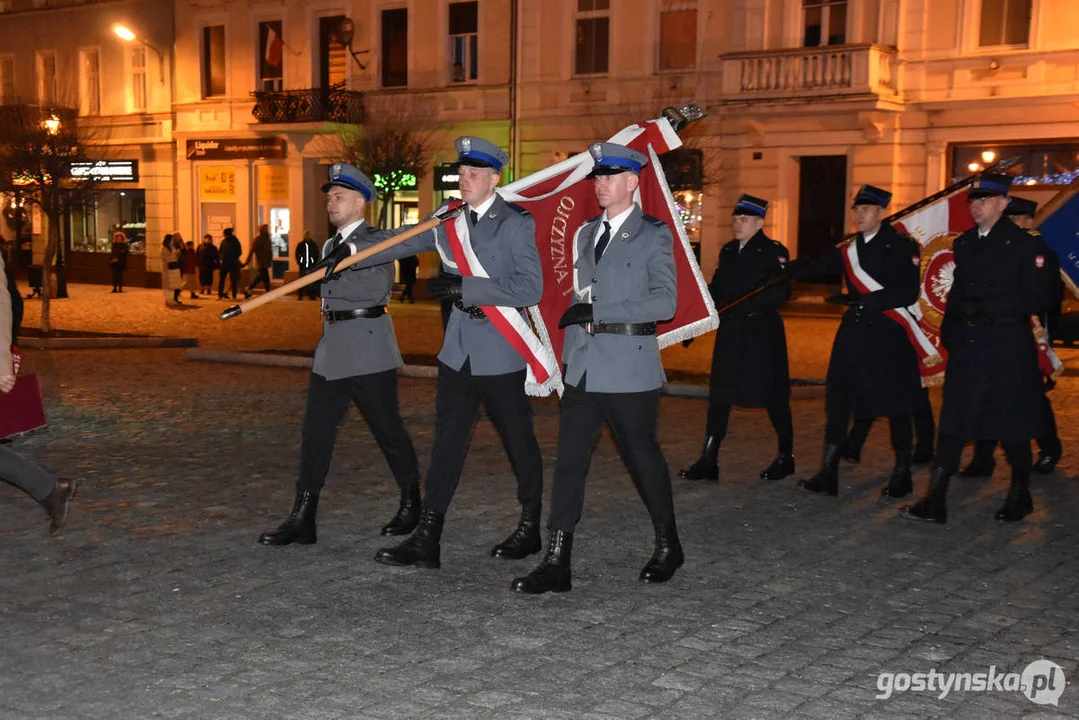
<point>332,57</point>
<point>464,41</point>
<point>48,93</point>
<point>593,37</point>
<point>90,67</point>
<point>395,47</point>
<point>7,79</point>
<point>271,56</point>
<point>213,61</point>
<point>825,22</point>
<point>1005,22</point>
<point>684,170</point>
<point>1043,164</point>
<point>677,35</point>
<point>138,78</point>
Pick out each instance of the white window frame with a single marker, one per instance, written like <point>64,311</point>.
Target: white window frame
<point>826,17</point>
<point>43,89</point>
<point>137,75</point>
<point>203,84</point>
<point>586,15</point>
<point>256,51</point>
<point>676,7</point>
<point>89,86</point>
<point>450,38</point>
<point>1005,46</point>
<point>7,78</point>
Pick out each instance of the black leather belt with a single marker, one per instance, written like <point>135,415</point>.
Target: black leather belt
<point>333,316</point>
<point>473,311</point>
<point>1000,320</point>
<point>648,328</point>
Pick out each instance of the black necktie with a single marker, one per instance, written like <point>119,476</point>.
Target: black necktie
<point>475,218</point>
<point>334,243</point>
<point>605,238</point>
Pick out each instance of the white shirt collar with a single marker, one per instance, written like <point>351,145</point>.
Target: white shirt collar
<point>349,229</point>
<point>867,238</point>
<point>483,207</point>
<point>617,221</point>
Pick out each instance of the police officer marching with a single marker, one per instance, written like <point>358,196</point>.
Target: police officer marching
<point>356,360</point>
<point>478,364</point>
<point>873,370</point>
<point>749,361</point>
<point>993,386</point>
<point>624,282</point>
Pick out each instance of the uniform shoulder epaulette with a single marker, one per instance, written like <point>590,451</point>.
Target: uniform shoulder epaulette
<point>518,209</point>
<point>1035,233</point>
<point>654,221</point>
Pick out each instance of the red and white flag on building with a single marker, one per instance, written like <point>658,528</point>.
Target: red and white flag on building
<point>561,198</point>
<point>935,227</point>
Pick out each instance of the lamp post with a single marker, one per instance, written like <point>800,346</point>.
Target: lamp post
<point>127,35</point>
<point>52,126</point>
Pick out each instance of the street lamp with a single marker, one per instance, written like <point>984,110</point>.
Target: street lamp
<point>127,35</point>
<point>51,124</point>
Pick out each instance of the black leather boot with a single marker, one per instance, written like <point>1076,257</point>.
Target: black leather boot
<point>523,541</point>
<point>780,468</point>
<point>1019,503</point>
<point>933,507</point>
<point>707,465</point>
<point>900,483</point>
<point>299,526</point>
<point>666,558</point>
<point>553,572</point>
<point>422,548</point>
<point>408,513</point>
<point>827,478</point>
<point>923,454</point>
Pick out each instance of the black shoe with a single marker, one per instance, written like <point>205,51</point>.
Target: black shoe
<point>553,573</point>
<point>900,483</point>
<point>1046,463</point>
<point>1016,506</point>
<point>780,468</point>
<point>666,558</point>
<point>979,468</point>
<point>523,541</point>
<point>247,295</point>
<point>707,465</point>
<point>827,478</point>
<point>408,513</point>
<point>933,507</point>
<point>299,527</point>
<point>422,548</point>
<point>57,502</point>
<point>922,455</point>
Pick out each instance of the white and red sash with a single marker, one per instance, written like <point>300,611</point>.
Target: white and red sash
<point>907,318</point>
<point>542,374</point>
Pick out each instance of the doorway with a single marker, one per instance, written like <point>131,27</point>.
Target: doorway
<point>822,200</point>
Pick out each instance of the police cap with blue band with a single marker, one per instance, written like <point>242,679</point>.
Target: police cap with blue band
<point>1020,206</point>
<point>988,185</point>
<point>477,152</point>
<point>612,159</point>
<point>871,195</point>
<point>749,205</point>
<point>348,177</point>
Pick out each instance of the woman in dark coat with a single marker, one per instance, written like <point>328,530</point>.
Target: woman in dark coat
<point>118,261</point>
<point>208,260</point>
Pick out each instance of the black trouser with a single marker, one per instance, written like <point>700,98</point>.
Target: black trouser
<point>719,415</point>
<point>233,274</point>
<point>407,292</point>
<point>632,418</point>
<point>838,422</point>
<point>117,277</point>
<point>311,291</point>
<point>924,427</point>
<point>1049,443</point>
<point>262,275</point>
<point>950,449</point>
<point>458,395</point>
<point>327,402</point>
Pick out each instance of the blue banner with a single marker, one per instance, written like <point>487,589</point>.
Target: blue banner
<point>1061,232</point>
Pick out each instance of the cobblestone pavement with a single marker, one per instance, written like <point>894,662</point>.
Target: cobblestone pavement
<point>156,601</point>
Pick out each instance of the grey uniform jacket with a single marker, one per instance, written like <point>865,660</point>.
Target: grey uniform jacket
<point>635,282</point>
<point>505,243</point>
<point>359,346</point>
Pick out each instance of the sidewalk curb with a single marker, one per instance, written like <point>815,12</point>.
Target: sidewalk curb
<point>798,392</point>
<point>104,343</point>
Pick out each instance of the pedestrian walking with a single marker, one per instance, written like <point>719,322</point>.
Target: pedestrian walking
<point>873,370</point>
<point>749,360</point>
<point>190,262</point>
<point>408,267</point>
<point>118,260</point>
<point>356,360</point>
<point>171,277</point>
<point>624,282</point>
<point>262,253</point>
<point>208,261</point>
<point>307,255</point>
<point>478,364</point>
<point>52,493</point>
<point>993,388</point>
<point>230,252</point>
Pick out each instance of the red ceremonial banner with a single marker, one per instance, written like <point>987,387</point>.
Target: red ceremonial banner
<point>22,409</point>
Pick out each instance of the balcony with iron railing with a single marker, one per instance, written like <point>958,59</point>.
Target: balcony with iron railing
<point>309,105</point>
<point>838,70</point>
